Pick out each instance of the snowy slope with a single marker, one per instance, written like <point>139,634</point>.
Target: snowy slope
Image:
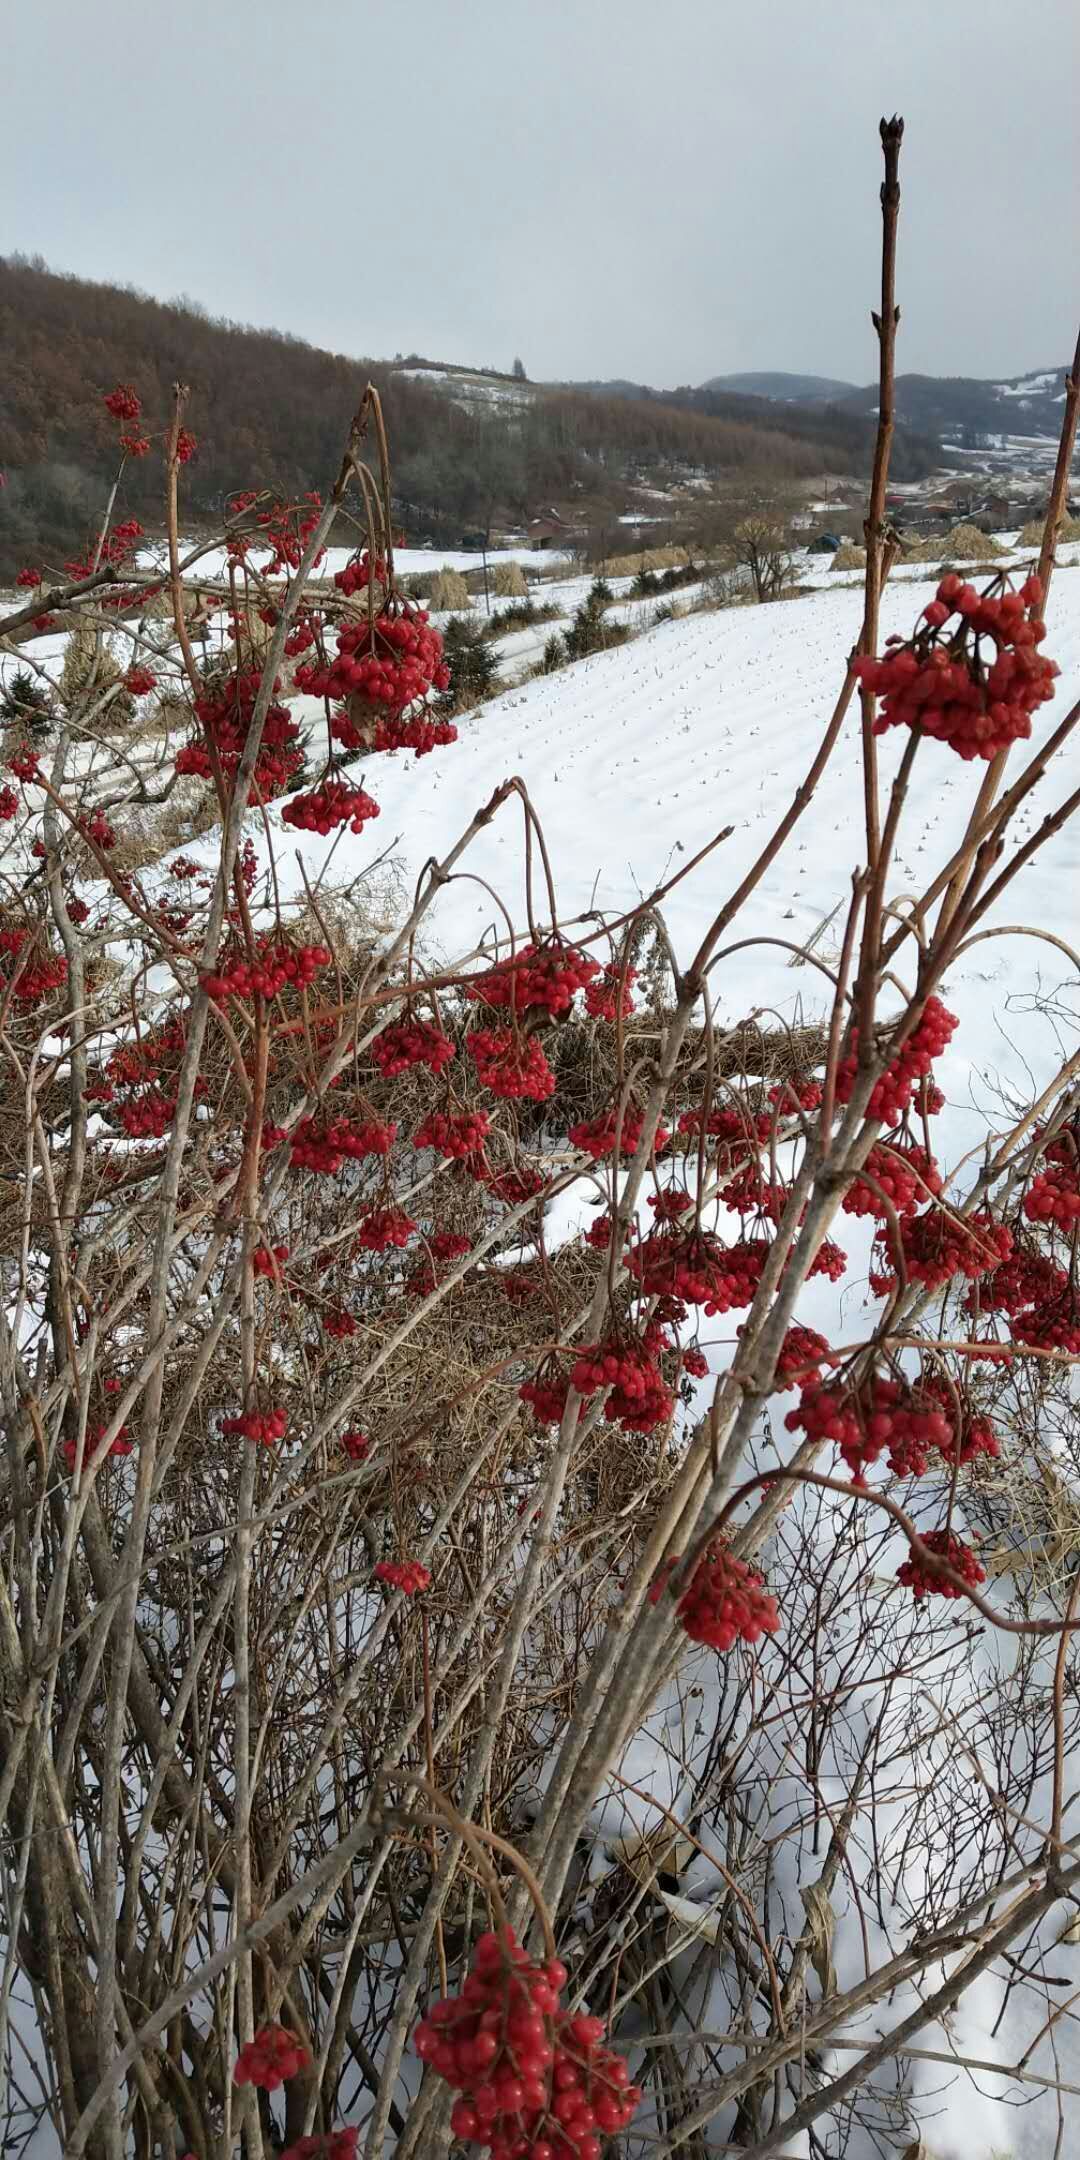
<point>635,757</point>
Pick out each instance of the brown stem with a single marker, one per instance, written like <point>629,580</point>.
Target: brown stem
<point>885,322</point>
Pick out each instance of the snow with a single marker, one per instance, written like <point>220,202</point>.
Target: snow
<point>1030,384</point>
<point>465,389</point>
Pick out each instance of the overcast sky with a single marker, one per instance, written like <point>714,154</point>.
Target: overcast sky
<point>607,187</point>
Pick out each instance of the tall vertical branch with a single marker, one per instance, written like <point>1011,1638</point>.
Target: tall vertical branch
<point>885,322</point>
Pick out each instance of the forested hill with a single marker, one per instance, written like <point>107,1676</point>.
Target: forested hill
<point>271,411</point>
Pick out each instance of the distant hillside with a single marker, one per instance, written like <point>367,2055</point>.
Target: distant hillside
<point>469,446</point>
<point>840,441</point>
<point>788,389</point>
<point>957,406</point>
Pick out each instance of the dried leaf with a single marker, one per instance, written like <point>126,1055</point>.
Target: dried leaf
<point>821,1925</point>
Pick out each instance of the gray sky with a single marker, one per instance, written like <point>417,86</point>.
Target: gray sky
<point>607,187</point>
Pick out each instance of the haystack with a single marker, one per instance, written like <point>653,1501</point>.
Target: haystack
<point>510,581</point>
<point>449,592</point>
<point>849,557</point>
<point>1031,534</point>
<point>965,543</point>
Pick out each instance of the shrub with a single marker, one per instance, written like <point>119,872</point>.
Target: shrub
<point>474,669</point>
<point>26,703</point>
<point>361,1511</point>
<point>554,656</point>
<point>521,615</point>
<point>589,632</point>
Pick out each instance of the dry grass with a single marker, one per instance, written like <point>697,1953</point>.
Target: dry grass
<point>661,558</point>
<point>449,591</point>
<point>964,544</point>
<point>1031,534</point>
<point>849,557</point>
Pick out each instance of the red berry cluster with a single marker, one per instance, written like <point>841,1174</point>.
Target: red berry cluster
<point>119,544</point>
<point>331,804</point>
<point>186,446</point>
<point>393,661</point>
<point>724,1602</point>
<point>942,681</point>
<point>384,1227</point>
<point>441,1250</point>
<point>339,1325</point>
<point>638,1398</point>
<point>92,1446</point>
<point>921,1577</point>
<point>535,2082</point>
<point>411,1042</point>
<point>136,446</point>
<point>513,1186</point>
<point>700,1269</point>
<point>9,806</point>
<point>610,999</point>
<point>903,1174</point>
<point>1053,1324</point>
<point>271,2057</point>
<point>149,1115</point>
<point>883,1417</point>
<point>123,403</point>
<point>24,764</point>
<point>358,573</point>
<point>29,578</point>
<point>937,1245</point>
<point>750,1193</point>
<point>695,1362</point>
<point>829,1260</point>
<point>545,977</point>
<point>1054,1197</point>
<point>264,1426</point>
<point>409,1576</point>
<point>456,1138</point>
<point>269,1260</point>
<point>356,1446</point>
<point>38,978</point>
<point>892,1094</point>
<point>596,1136</point>
<point>319,1145</point>
<point>1025,1278</point>
<point>139,680</point>
<point>274,966</point>
<point>98,829</point>
<point>546,1394</point>
<point>355,729</point>
<point>224,712</point>
<point>511,1065</point>
<point>739,1133</point>
<point>802,1354</point>
<point>797,1094</point>
<point>285,529</point>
